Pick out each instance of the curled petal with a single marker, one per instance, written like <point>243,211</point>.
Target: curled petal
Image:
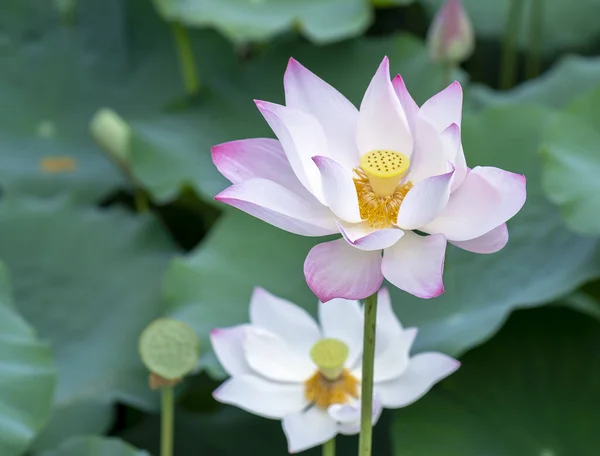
<point>264,158</point>
<point>487,198</point>
<point>337,270</point>
<point>424,370</point>
<point>339,192</point>
<point>455,154</point>
<point>490,242</point>
<point>307,92</point>
<point>287,320</point>
<point>415,264</point>
<point>348,415</point>
<point>262,397</point>
<point>301,137</point>
<point>227,344</point>
<point>424,201</point>
<point>363,237</point>
<point>308,429</point>
<point>280,207</point>
<point>382,123</point>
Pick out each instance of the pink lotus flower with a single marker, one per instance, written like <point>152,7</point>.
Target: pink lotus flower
<point>451,38</point>
<point>375,175</point>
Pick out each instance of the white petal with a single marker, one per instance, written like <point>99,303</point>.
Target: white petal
<point>490,242</point>
<point>430,156</point>
<point>415,264</point>
<point>382,123</point>
<point>393,361</point>
<point>348,416</point>
<point>308,429</point>
<point>280,207</point>
<point>487,198</point>
<point>424,371</point>
<point>307,92</point>
<point>424,201</point>
<point>411,109</point>
<point>455,154</point>
<point>262,397</point>
<point>227,344</point>
<point>289,321</point>
<point>301,137</point>
<point>389,327</point>
<point>264,158</point>
<point>444,108</point>
<point>342,319</point>
<point>272,357</point>
<point>337,270</point>
<point>363,237</point>
<point>338,188</point>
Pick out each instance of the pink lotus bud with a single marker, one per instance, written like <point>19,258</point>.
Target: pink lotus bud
<point>450,38</point>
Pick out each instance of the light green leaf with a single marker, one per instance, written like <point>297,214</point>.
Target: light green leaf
<point>564,27</point>
<point>570,77</point>
<point>95,446</point>
<point>322,21</point>
<point>212,287</point>
<point>27,377</point>
<point>88,280</point>
<point>532,390</point>
<point>571,150</point>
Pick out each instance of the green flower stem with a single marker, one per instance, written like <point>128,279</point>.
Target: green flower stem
<point>186,58</point>
<point>509,45</point>
<point>329,448</point>
<point>449,70</point>
<point>167,421</point>
<point>534,54</point>
<point>366,411</point>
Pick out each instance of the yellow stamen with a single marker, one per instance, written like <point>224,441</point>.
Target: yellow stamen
<point>385,169</point>
<point>329,355</point>
<point>379,212</point>
<point>324,392</point>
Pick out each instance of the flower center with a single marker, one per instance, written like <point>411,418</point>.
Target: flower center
<point>378,186</point>
<point>332,383</point>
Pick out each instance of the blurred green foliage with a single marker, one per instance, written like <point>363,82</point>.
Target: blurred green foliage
<point>89,272</point>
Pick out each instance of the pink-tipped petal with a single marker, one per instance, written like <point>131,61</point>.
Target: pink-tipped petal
<point>382,123</point>
<point>415,264</point>
<point>490,242</point>
<point>363,237</point>
<point>307,92</point>
<point>423,371</point>
<point>273,357</point>
<point>246,159</point>
<point>308,429</point>
<point>285,319</point>
<point>424,201</point>
<point>410,107</point>
<point>227,344</point>
<point>342,319</point>
<point>454,151</point>
<point>301,137</point>
<point>444,108</point>
<point>337,270</point>
<point>487,198</point>
<point>339,191</point>
<point>348,415</point>
<point>280,207</point>
<point>262,397</point>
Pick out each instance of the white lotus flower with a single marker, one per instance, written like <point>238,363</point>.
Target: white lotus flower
<point>382,176</point>
<point>285,366</point>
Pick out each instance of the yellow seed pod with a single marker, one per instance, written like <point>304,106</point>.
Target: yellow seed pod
<point>385,169</point>
<point>330,355</point>
<point>169,348</point>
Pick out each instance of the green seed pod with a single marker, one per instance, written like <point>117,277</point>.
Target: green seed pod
<point>169,348</point>
<point>112,133</point>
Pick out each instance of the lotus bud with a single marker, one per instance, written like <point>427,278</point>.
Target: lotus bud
<point>451,39</point>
